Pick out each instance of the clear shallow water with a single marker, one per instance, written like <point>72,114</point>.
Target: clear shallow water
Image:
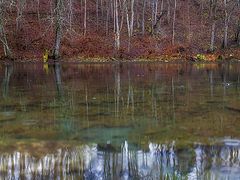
<point>120,121</point>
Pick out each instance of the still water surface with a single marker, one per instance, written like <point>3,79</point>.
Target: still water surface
<point>120,121</point>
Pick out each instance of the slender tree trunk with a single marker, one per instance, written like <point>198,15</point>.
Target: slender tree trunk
<point>124,4</point>
<point>131,25</point>
<point>157,26</point>
<point>114,15</point>
<point>58,28</point>
<point>152,18</point>
<point>128,22</point>
<point>3,38</point>
<point>3,34</point>
<point>155,11</point>
<point>162,6</point>
<point>58,38</point>
<point>226,24</point>
<point>238,25</point>
<point>212,36</point>
<point>107,19</point>
<point>174,21</point>
<point>132,16</point>
<point>137,16</point>
<point>20,6</point>
<point>201,19</point>
<point>213,9</point>
<point>143,16</point>
<point>97,12</point>
<point>238,33</point>
<point>117,32</point>
<point>85,18</point>
<point>101,3</point>
<point>70,14</point>
<point>38,9</point>
<point>189,23</point>
<point>168,12</point>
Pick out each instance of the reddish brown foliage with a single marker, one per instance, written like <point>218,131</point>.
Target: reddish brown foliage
<point>36,34</point>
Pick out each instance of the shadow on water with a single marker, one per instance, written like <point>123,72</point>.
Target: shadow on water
<point>120,121</point>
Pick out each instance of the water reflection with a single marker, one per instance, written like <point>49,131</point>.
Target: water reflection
<point>117,89</point>
<point>58,79</point>
<point>6,79</point>
<point>119,109</point>
<point>158,161</point>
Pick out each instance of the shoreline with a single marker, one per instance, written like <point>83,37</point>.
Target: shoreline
<point>110,61</point>
<point>198,58</point>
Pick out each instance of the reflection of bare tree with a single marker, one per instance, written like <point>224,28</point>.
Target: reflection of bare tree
<point>87,105</point>
<point>154,103</point>
<point>210,74</point>
<point>224,73</point>
<point>130,96</point>
<point>117,89</point>
<point>58,79</point>
<point>6,79</point>
<point>173,99</point>
<point>158,162</point>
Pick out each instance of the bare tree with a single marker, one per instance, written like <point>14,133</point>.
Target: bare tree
<point>238,33</point>
<point>213,9</point>
<point>174,22</point>
<point>238,23</point>
<point>97,16</point>
<point>132,17</point>
<point>70,4</point>
<point>85,18</point>
<point>20,5</point>
<point>117,28</point>
<point>4,4</point>
<point>154,13</point>
<point>143,16</point>
<point>157,25</point>
<point>168,11</point>
<point>58,16</point>
<point>107,18</point>
<point>229,9</point>
<point>130,21</point>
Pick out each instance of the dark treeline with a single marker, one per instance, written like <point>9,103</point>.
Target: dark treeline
<point>107,27</point>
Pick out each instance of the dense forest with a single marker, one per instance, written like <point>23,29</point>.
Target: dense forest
<point>118,28</point>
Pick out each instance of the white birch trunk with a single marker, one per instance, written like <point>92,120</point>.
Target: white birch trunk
<point>143,16</point>
<point>132,17</point>
<point>117,32</point>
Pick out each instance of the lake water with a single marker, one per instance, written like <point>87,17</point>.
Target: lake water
<point>120,121</point>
